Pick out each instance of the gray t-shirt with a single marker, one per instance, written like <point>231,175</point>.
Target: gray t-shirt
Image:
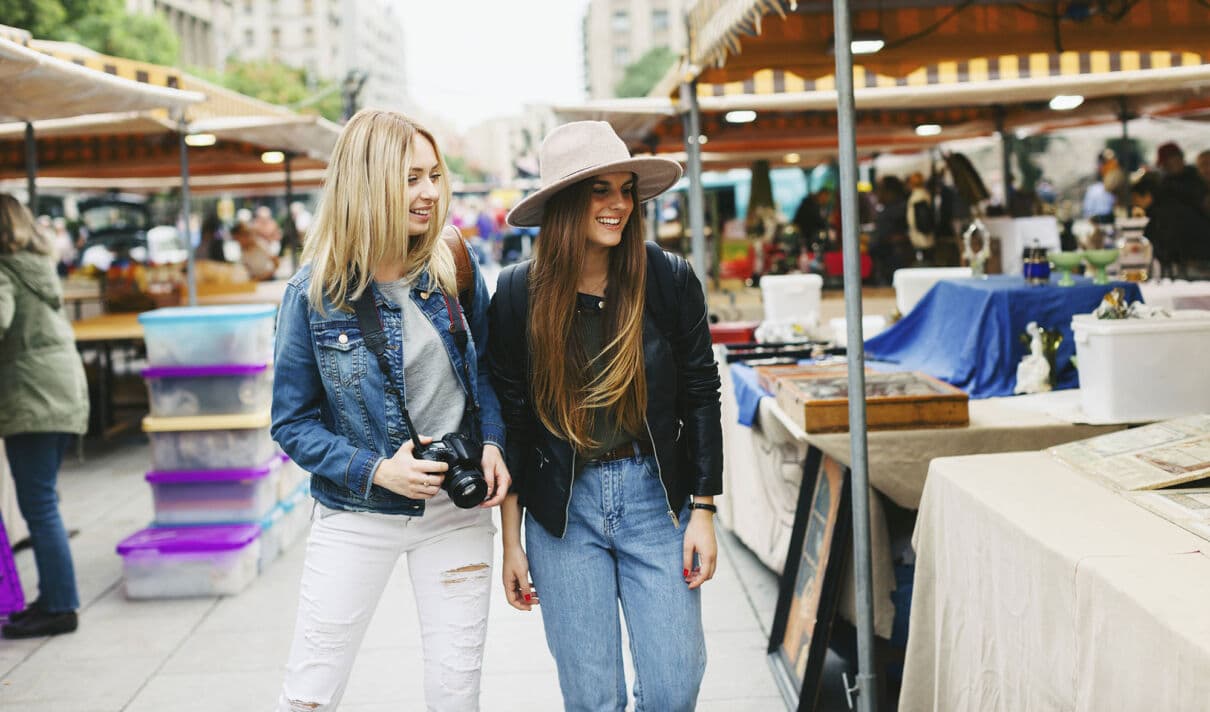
<point>435,401</point>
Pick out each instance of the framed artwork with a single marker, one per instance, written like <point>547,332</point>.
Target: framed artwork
<point>810,583</point>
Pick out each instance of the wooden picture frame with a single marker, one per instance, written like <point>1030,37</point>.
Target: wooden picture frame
<point>809,590</point>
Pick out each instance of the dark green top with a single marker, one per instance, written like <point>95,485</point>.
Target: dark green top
<point>590,322</point>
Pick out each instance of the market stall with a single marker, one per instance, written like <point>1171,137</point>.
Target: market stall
<point>1037,588</point>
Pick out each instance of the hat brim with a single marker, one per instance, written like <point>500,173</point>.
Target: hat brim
<point>655,176</point>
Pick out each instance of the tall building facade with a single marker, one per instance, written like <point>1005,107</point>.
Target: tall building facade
<point>619,32</point>
<point>202,26</point>
<point>506,148</point>
<point>331,39</point>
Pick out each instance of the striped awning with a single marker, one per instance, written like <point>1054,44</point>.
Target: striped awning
<point>1005,68</point>
<point>37,85</point>
<point>716,27</point>
<point>733,39</point>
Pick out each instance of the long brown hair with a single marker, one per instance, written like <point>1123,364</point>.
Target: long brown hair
<point>564,395</point>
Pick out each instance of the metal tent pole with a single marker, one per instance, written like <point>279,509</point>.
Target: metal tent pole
<point>1006,154</point>
<point>190,268</point>
<point>31,169</point>
<point>867,692</point>
<point>692,121</point>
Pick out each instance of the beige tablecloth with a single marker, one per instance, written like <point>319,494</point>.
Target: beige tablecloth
<point>763,469</point>
<point>1038,589</point>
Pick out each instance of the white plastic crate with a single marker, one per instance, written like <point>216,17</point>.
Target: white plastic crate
<point>204,336</point>
<point>209,442</point>
<point>1134,370</point>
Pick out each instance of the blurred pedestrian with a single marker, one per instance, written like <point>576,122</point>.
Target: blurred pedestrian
<point>266,230</point>
<point>214,236</point>
<point>890,247</point>
<point>921,219</point>
<point>43,403</point>
<point>252,254</point>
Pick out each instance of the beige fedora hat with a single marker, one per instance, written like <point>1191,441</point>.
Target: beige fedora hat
<point>583,149</point>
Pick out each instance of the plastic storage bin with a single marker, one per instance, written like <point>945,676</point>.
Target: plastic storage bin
<point>912,283</point>
<point>209,442</point>
<point>292,478</point>
<point>1133,370</point>
<point>173,562</point>
<point>206,336</point>
<point>179,391</point>
<point>284,525</point>
<point>792,298</point>
<point>214,496</point>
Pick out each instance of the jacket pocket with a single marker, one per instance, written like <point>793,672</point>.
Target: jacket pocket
<point>341,352</point>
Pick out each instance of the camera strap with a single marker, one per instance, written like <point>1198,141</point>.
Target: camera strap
<point>375,339</point>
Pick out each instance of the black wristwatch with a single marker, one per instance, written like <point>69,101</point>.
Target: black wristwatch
<point>703,505</point>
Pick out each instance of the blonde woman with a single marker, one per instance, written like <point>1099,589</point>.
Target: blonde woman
<point>373,362</point>
<point>601,355</point>
<point>43,402</point>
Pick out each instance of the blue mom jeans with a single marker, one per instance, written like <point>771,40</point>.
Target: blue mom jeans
<point>620,545</point>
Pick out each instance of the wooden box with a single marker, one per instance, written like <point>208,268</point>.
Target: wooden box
<point>894,401</point>
<point>768,376</point>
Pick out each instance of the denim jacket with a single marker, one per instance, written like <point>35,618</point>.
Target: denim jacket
<point>331,412</point>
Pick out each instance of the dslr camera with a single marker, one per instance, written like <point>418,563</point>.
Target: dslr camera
<point>464,481</point>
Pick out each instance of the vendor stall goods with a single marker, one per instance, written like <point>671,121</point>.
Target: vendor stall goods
<point>820,404</point>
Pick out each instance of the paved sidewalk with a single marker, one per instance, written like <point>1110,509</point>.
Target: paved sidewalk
<point>227,654</point>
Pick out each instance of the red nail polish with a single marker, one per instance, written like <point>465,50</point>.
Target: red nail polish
<point>527,597</point>
<point>685,572</point>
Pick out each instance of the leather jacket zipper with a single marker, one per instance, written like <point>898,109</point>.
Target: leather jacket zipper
<point>570,486</point>
<point>659,471</point>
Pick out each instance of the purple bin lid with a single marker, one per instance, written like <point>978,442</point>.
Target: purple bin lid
<point>202,371</point>
<point>186,540</point>
<point>180,476</point>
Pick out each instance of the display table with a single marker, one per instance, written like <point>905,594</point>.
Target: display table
<point>763,471</point>
<point>967,332</point>
<point>1038,589</point>
<point>1177,294</point>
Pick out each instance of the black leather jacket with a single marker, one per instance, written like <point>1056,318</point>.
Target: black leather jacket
<point>682,393</point>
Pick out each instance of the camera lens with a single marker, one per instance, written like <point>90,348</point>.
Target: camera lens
<point>467,488</point>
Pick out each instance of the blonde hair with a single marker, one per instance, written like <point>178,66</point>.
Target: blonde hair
<point>19,231</point>
<point>566,396</point>
<point>361,221</point>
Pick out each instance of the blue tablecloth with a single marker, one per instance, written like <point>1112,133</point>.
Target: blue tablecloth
<point>747,392</point>
<point>967,332</point>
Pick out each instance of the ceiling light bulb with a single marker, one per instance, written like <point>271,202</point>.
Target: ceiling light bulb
<point>272,157</point>
<point>742,116</point>
<point>928,130</point>
<point>200,139</point>
<point>1066,102</point>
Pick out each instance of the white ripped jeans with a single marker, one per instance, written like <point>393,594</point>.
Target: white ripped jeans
<point>350,557</point>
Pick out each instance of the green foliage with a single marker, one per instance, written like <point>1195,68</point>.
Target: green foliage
<point>643,74</point>
<point>278,83</point>
<point>145,38</point>
<point>460,168</point>
<point>40,17</point>
<point>101,25</point>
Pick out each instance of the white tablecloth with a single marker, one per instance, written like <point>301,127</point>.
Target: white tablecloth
<point>1038,589</point>
<point>1177,294</point>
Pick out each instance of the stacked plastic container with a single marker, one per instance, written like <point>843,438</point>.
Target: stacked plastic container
<point>226,500</point>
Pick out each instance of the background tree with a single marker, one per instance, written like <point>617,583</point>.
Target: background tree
<point>641,76</point>
<point>280,84</point>
<point>101,25</point>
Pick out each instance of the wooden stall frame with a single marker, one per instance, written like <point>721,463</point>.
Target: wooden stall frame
<point>803,695</point>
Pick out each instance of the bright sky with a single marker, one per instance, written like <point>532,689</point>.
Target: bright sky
<point>470,60</point>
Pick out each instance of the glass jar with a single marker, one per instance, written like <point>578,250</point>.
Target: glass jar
<point>1134,249</point>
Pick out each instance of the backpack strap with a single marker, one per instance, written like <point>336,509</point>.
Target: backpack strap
<point>463,270</point>
<point>661,293</point>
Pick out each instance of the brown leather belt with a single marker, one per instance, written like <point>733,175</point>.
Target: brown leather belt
<point>623,451</point>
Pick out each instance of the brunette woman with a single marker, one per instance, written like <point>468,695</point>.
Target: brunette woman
<point>601,355</point>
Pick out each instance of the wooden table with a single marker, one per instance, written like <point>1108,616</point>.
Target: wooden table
<point>102,334</point>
